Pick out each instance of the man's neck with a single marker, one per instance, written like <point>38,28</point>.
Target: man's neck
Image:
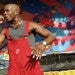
<point>18,21</point>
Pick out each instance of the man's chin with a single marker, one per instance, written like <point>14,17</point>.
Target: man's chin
<point>8,20</point>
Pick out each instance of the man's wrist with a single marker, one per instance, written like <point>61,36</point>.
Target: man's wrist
<point>44,43</point>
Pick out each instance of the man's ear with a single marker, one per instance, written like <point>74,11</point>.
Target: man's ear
<point>16,12</point>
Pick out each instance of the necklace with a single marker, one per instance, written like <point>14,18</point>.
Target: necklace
<point>17,24</point>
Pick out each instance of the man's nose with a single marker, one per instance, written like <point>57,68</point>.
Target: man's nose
<point>4,12</point>
<point>4,15</point>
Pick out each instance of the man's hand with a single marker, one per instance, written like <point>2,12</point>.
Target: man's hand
<point>38,50</point>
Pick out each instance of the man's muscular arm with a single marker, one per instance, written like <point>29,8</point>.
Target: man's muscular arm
<point>48,39</point>
<point>2,37</point>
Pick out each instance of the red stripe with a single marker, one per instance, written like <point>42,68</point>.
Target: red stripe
<point>73,2</point>
<point>61,8</point>
<point>27,28</point>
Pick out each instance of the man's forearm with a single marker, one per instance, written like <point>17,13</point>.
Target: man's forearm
<point>4,44</point>
<point>50,39</point>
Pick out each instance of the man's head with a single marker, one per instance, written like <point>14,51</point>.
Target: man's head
<point>11,11</point>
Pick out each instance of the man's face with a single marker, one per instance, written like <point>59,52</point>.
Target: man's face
<point>10,13</point>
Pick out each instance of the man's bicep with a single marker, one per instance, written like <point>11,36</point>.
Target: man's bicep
<point>41,30</point>
<point>2,37</point>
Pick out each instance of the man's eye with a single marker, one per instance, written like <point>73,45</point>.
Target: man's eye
<point>6,10</point>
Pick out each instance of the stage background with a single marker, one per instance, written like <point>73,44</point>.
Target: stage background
<point>58,16</point>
